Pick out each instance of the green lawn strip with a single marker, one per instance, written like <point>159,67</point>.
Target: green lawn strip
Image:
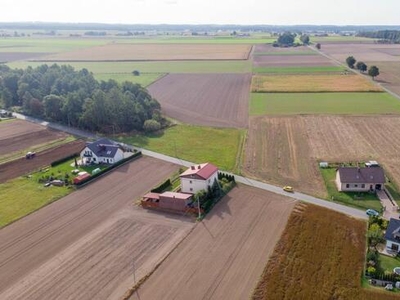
<point>199,40</point>
<point>206,66</point>
<point>285,53</point>
<point>24,195</point>
<point>354,199</point>
<point>390,186</point>
<point>35,148</point>
<point>299,70</point>
<point>3,121</point>
<point>388,263</point>
<point>48,45</point>
<point>220,146</point>
<point>143,79</point>
<point>323,103</point>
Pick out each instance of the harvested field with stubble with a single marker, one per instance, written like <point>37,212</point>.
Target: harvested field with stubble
<point>312,83</point>
<point>154,52</point>
<point>219,100</point>
<point>93,243</point>
<point>285,150</point>
<point>224,255</point>
<point>319,256</point>
<point>19,135</point>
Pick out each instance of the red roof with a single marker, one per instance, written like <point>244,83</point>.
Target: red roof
<point>152,196</point>
<point>203,171</point>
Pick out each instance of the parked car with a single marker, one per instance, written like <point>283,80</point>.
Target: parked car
<point>288,188</point>
<point>372,212</point>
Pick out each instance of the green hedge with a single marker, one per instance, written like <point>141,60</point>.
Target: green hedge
<point>102,172</point>
<point>162,186</point>
<point>64,159</point>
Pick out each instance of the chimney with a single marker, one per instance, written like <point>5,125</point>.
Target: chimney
<point>199,167</point>
<point>192,167</point>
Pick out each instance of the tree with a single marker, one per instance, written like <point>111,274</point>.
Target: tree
<point>350,61</point>
<point>305,39</point>
<point>375,235</point>
<point>361,66</point>
<point>136,73</point>
<point>318,46</point>
<point>151,125</point>
<point>286,39</point>
<point>373,72</point>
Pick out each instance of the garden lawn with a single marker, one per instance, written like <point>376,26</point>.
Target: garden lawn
<point>299,70</point>
<point>220,146</point>
<point>365,200</point>
<point>323,103</point>
<point>388,263</point>
<point>236,66</point>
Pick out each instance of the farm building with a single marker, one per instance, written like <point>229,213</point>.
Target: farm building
<point>198,177</point>
<point>392,236</point>
<point>101,151</point>
<point>360,179</point>
<point>168,201</point>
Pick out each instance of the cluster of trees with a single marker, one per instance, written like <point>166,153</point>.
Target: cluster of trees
<point>392,36</point>
<point>373,71</point>
<point>62,94</point>
<point>287,39</point>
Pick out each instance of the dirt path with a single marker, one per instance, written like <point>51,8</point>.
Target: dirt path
<point>86,245</point>
<point>225,254</point>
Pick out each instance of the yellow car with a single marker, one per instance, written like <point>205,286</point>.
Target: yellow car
<point>287,188</point>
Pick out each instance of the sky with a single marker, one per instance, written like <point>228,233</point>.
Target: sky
<point>243,12</point>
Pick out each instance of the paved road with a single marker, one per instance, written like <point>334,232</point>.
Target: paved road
<point>251,182</point>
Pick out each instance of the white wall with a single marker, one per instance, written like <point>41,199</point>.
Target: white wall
<point>190,185</point>
<point>389,245</point>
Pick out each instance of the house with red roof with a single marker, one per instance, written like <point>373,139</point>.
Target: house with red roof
<point>198,177</point>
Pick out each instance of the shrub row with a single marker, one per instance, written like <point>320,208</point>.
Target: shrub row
<point>64,159</point>
<point>162,186</point>
<point>102,172</point>
<point>229,177</point>
<point>211,198</point>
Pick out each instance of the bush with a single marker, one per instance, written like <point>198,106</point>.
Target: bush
<point>162,186</point>
<point>151,125</point>
<point>64,159</point>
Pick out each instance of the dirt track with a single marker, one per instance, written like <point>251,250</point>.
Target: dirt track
<point>44,158</point>
<point>86,245</point>
<point>205,99</point>
<point>19,135</point>
<point>225,254</point>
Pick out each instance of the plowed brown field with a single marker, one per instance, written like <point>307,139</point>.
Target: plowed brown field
<point>285,150</point>
<point>205,99</point>
<point>224,255</point>
<point>145,52</point>
<point>44,158</point>
<point>93,243</point>
<point>19,135</point>
<point>291,61</point>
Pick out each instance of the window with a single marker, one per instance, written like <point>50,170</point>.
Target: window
<point>190,181</point>
<point>209,180</point>
<point>191,189</point>
<point>356,185</point>
<point>363,185</point>
<point>347,185</point>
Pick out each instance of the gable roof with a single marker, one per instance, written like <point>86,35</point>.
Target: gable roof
<point>393,231</point>
<point>103,148</point>
<point>202,171</point>
<point>361,175</point>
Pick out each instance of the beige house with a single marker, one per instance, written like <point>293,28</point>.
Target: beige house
<point>360,179</point>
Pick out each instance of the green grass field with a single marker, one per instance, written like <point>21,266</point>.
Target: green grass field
<point>220,146</point>
<point>323,103</point>
<point>144,79</point>
<point>298,70</point>
<point>49,44</point>
<point>235,66</point>
<point>358,200</point>
<point>199,40</point>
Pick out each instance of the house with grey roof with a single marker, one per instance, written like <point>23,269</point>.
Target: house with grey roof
<point>102,151</point>
<point>392,236</point>
<point>360,179</point>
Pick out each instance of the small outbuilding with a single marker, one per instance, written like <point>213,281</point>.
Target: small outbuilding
<point>171,201</point>
<point>360,179</point>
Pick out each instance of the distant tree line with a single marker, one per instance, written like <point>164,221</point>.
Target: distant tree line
<point>287,39</point>
<point>62,94</point>
<point>392,36</point>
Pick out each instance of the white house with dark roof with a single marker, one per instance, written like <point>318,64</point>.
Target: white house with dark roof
<point>360,179</point>
<point>101,151</point>
<point>198,177</point>
<point>392,236</point>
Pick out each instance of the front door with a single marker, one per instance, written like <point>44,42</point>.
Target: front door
<point>378,187</point>
<point>395,247</point>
